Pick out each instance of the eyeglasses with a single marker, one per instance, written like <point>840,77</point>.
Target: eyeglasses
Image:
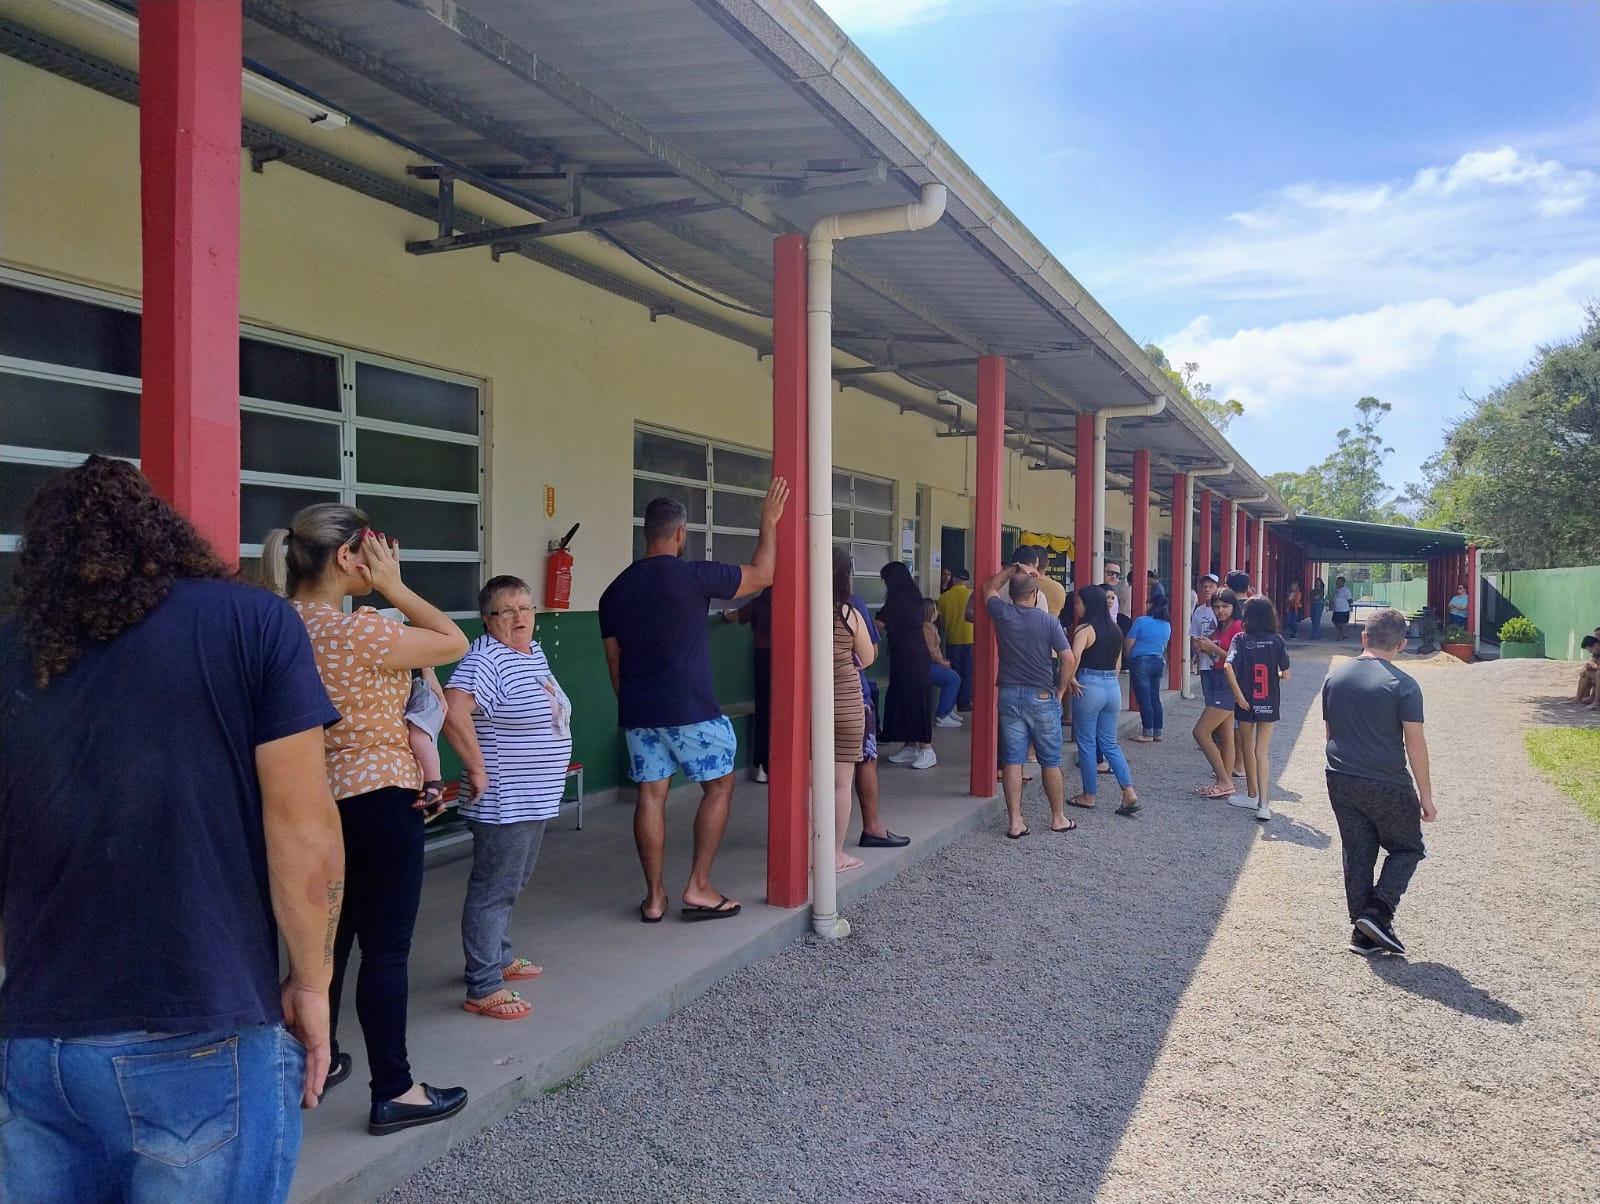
<point>512,613</point>
<point>1113,574</point>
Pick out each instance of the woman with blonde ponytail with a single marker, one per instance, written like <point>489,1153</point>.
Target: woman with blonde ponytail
<point>329,554</point>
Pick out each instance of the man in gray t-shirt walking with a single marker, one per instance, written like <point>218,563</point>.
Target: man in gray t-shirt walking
<point>1373,714</point>
<point>1035,666</point>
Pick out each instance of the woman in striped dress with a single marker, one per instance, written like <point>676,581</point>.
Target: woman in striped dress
<point>853,649</point>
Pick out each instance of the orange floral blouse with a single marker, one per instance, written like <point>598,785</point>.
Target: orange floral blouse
<point>367,749</point>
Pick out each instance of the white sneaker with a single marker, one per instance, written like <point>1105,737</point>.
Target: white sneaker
<point>760,773</point>
<point>925,760</point>
<point>1263,812</point>
<point>1241,800</point>
<point>905,756</point>
<point>947,721</point>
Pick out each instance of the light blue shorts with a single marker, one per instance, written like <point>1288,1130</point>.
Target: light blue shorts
<point>703,751</point>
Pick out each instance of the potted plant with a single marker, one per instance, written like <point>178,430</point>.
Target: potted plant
<point>1457,641</point>
<point>1519,639</point>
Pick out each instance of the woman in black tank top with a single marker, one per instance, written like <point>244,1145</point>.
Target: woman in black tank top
<point>1097,698</point>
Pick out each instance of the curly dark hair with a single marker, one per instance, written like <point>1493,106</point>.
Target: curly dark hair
<point>99,552</point>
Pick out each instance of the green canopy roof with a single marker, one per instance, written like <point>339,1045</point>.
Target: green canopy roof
<point>1342,539</point>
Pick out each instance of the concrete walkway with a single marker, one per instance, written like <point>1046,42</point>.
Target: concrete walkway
<point>606,976</point>
<point>1143,1010</point>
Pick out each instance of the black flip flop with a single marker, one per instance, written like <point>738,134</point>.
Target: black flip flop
<point>1072,826</point>
<point>1018,835</point>
<point>1127,809</point>
<point>1073,802</point>
<point>646,918</point>
<point>720,911</point>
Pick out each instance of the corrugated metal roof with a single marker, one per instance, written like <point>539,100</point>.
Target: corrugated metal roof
<point>730,99</point>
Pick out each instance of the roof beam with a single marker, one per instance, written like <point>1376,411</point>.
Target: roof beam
<point>527,66</point>
<point>282,21</point>
<point>507,235</point>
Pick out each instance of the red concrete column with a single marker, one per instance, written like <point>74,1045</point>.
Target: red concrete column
<point>1139,555</point>
<point>985,656</point>
<point>189,59</point>
<point>1203,553</point>
<point>1139,552</point>
<point>1178,588</point>
<point>789,774</point>
<point>1225,541</point>
<point>1082,501</point>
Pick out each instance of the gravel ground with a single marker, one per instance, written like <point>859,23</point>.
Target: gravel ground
<point>1155,1009</point>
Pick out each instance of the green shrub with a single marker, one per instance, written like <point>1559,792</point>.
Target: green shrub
<point>1519,631</point>
<point>1455,635</point>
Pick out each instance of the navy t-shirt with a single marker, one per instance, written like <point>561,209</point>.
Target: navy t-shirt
<point>656,610</point>
<point>1367,702</point>
<point>133,863</point>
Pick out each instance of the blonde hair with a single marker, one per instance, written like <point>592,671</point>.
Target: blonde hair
<point>301,552</point>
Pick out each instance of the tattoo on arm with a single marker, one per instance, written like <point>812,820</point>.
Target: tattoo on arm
<point>335,904</point>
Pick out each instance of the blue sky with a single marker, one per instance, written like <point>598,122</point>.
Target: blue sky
<point>1314,200</point>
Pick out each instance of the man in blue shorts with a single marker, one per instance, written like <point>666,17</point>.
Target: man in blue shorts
<point>653,621</point>
<point>1031,687</point>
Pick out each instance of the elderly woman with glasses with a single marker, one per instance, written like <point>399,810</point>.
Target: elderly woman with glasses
<point>509,722</point>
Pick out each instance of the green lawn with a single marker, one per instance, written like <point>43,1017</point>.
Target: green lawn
<point>1570,758</point>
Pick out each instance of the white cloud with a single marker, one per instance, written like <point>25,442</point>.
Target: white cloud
<point>1465,345</point>
<point>1490,220</point>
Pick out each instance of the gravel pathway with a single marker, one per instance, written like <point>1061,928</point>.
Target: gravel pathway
<point>1155,1009</point>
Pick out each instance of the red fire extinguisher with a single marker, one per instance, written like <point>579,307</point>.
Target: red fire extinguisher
<point>558,573</point>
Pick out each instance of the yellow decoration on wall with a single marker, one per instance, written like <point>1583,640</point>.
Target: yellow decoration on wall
<point>1060,544</point>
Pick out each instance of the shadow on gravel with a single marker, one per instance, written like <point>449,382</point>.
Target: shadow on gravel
<point>1562,712</point>
<point>1447,985</point>
<point>1295,832</point>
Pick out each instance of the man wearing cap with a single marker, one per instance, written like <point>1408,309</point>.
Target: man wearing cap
<point>958,629</point>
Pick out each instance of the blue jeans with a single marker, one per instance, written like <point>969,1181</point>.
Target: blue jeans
<point>1145,674</point>
<point>949,683</point>
<point>1316,619</point>
<point>150,1116</point>
<point>1094,727</point>
<point>1028,713</point>
<point>1291,620</point>
<point>961,661</point>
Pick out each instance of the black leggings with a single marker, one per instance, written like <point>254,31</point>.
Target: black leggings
<point>382,888</point>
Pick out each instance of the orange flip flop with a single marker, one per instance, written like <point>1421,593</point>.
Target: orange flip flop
<point>520,969</point>
<point>488,1009</point>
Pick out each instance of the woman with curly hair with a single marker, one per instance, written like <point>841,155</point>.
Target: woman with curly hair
<point>327,555</point>
<point>164,819</point>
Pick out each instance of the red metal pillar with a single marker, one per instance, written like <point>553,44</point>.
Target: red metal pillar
<point>1225,540</point>
<point>1203,557</point>
<point>1183,572</point>
<point>789,774</point>
<point>1139,552</point>
<point>189,57</point>
<point>1473,589</point>
<point>1082,501</point>
<point>985,656</point>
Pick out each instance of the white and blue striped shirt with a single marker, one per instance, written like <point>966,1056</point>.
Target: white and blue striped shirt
<point>526,761</point>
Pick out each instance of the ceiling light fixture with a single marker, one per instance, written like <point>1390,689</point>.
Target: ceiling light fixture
<point>125,25</point>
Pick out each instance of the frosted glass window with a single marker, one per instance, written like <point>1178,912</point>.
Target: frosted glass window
<point>416,400</point>
<point>741,468</point>
<point>736,510</point>
<point>419,523</point>
<point>386,459</point>
<point>667,456</point>
<point>263,507</point>
<point>288,446</point>
<point>18,484</point>
<point>646,491</point>
<point>68,332</point>
<point>449,585</point>
<point>59,416</point>
<point>291,375</point>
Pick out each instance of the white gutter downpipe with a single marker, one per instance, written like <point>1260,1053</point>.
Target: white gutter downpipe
<point>1253,548</point>
<point>1097,550</point>
<point>825,918</point>
<point>1217,470</point>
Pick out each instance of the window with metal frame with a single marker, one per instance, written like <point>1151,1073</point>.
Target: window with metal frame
<point>317,423</point>
<point>1116,548</point>
<point>721,486</point>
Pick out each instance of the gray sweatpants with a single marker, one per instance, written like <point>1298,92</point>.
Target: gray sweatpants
<point>1373,816</point>
<point>503,857</point>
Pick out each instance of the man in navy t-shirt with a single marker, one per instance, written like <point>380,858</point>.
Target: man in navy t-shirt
<point>653,621</point>
<point>164,817</point>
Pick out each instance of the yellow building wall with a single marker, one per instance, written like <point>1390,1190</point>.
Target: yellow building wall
<point>568,368</point>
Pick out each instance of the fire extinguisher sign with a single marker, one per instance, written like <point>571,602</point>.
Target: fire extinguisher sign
<point>549,501</point>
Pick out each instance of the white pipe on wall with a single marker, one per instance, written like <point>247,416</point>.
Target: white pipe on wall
<point>1097,548</point>
<point>918,215</point>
